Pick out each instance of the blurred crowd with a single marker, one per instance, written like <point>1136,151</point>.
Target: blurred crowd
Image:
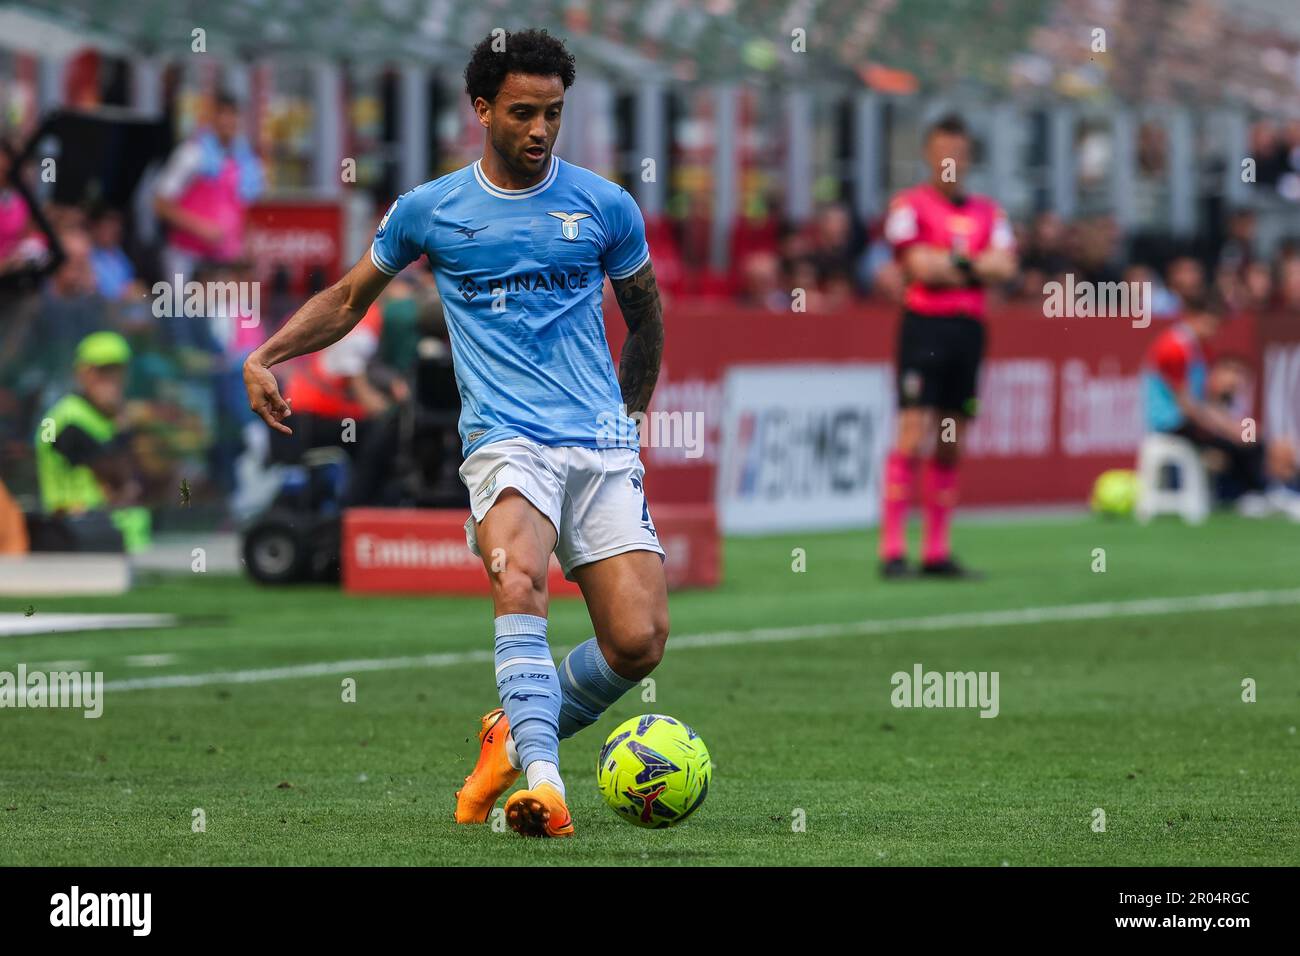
<point>835,259</point>
<point>184,402</point>
<point>183,411</point>
<point>1275,147</point>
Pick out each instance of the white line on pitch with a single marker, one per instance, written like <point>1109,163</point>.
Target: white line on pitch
<point>18,625</point>
<point>323,669</point>
<point>149,660</point>
<point>58,665</point>
<point>1103,610</point>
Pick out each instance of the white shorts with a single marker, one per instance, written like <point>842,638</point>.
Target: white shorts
<point>593,496</point>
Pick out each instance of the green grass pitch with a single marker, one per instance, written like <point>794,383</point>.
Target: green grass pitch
<point>1141,716</point>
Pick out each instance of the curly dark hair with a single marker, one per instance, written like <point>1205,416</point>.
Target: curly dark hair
<point>950,124</point>
<point>535,52</point>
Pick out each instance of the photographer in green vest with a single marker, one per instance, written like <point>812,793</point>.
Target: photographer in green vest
<point>83,463</point>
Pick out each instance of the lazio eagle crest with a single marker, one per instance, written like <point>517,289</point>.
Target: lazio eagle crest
<point>569,222</point>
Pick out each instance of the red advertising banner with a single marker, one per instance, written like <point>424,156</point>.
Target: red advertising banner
<point>1060,399</point>
<point>299,236</point>
<point>1279,344</point>
<point>423,551</point>
<point>417,551</point>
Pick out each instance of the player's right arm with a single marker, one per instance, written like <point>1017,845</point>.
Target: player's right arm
<point>328,316</point>
<point>334,312</point>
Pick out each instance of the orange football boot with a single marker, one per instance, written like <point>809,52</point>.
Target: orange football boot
<point>492,775</point>
<point>539,813</point>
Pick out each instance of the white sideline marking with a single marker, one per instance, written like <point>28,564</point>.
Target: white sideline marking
<point>14,625</point>
<point>1144,607</point>
<point>323,669</point>
<point>58,665</point>
<point>149,660</point>
<point>936,622</point>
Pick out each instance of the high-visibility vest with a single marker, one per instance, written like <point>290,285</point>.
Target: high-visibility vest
<point>75,488</point>
<point>65,486</point>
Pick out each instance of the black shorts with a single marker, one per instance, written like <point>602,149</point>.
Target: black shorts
<point>1245,463</point>
<point>938,362</point>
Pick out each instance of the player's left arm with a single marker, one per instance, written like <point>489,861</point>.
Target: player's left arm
<point>998,263</point>
<point>995,266</point>
<point>638,365</point>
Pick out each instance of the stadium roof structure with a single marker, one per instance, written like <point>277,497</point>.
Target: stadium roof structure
<point>1193,50</point>
<point>680,39</point>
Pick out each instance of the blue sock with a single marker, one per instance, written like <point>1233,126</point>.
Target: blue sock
<point>527,686</point>
<point>589,686</point>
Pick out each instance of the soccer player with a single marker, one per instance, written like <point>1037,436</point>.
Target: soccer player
<point>950,245</point>
<point>1178,400</point>
<point>519,243</point>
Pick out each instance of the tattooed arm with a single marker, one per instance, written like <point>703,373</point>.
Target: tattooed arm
<point>638,366</point>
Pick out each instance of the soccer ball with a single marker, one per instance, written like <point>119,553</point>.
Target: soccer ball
<point>1115,492</point>
<point>654,771</point>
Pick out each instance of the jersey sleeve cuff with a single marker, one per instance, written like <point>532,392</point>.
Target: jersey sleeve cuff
<point>380,264</point>
<point>624,273</point>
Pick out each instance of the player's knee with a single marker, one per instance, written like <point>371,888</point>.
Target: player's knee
<point>519,588</point>
<point>638,647</point>
<point>906,445</point>
<point>910,434</point>
<point>947,453</point>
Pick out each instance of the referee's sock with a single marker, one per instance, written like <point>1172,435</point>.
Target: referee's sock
<point>938,498</point>
<point>900,476</point>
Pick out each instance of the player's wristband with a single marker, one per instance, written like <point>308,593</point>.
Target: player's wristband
<point>966,268</point>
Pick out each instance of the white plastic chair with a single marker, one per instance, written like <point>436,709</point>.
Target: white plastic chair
<point>1190,499</point>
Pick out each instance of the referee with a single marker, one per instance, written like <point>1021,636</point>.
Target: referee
<point>950,245</point>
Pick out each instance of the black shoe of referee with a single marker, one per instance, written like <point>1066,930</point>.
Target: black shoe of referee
<point>893,568</point>
<point>949,568</point>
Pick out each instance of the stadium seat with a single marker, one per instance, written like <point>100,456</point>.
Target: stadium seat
<point>1190,497</point>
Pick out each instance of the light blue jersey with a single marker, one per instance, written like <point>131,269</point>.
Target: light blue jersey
<point>521,274</point>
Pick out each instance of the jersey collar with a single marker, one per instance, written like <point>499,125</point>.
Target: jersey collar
<point>533,190</point>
